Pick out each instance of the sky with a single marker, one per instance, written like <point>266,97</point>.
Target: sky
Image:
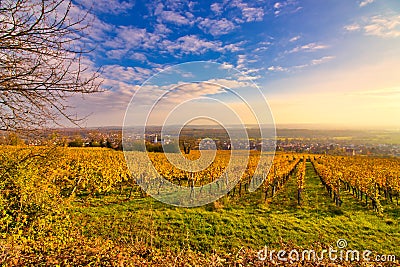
<point>331,62</point>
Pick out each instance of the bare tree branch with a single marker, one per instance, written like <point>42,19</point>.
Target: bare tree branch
<point>42,62</point>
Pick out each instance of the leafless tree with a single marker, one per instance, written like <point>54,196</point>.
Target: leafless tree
<point>43,61</point>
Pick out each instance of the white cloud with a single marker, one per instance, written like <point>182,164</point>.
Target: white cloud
<point>174,17</point>
<point>321,60</point>
<point>235,83</point>
<point>387,27</point>
<point>276,68</point>
<point>246,74</point>
<point>251,71</point>
<point>249,13</point>
<point>158,9</point>
<point>115,101</point>
<point>191,44</point>
<point>216,8</point>
<point>129,40</point>
<point>216,27</point>
<point>294,39</point>
<point>176,13</point>
<point>95,30</point>
<point>120,86</point>
<point>308,48</point>
<point>178,5</point>
<point>191,5</point>
<point>253,14</point>
<point>161,29</point>
<point>286,7</point>
<point>226,65</point>
<point>249,78</point>
<point>352,27</point>
<point>234,47</point>
<point>116,53</point>
<point>313,62</point>
<point>381,26</point>
<point>242,59</point>
<point>183,91</point>
<point>121,92</point>
<point>114,7</point>
<point>125,74</point>
<point>129,37</point>
<point>261,48</point>
<point>138,56</point>
<point>242,63</point>
<point>366,2</point>
<point>193,90</point>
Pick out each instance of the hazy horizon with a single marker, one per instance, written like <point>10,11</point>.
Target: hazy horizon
<point>286,126</point>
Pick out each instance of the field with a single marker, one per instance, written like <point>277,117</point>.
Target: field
<point>63,206</point>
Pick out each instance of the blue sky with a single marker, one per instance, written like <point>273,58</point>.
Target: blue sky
<point>332,62</point>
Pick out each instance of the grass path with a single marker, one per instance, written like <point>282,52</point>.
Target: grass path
<point>315,199</point>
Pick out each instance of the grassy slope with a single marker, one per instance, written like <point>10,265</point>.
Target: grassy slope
<point>244,222</point>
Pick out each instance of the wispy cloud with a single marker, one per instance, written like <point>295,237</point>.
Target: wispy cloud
<point>226,66</point>
<point>114,7</point>
<point>286,7</point>
<point>242,59</point>
<point>381,26</point>
<point>126,74</point>
<point>366,2</point>
<point>276,68</point>
<point>308,48</point>
<point>94,29</point>
<point>249,74</point>
<point>126,53</point>
<point>321,60</point>
<point>234,83</point>
<point>352,27</point>
<point>313,62</point>
<point>192,90</point>
<point>178,92</point>
<point>130,38</point>
<point>387,92</point>
<point>387,27</point>
<point>294,39</point>
<point>262,46</point>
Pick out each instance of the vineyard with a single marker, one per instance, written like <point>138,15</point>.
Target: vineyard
<point>83,205</point>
